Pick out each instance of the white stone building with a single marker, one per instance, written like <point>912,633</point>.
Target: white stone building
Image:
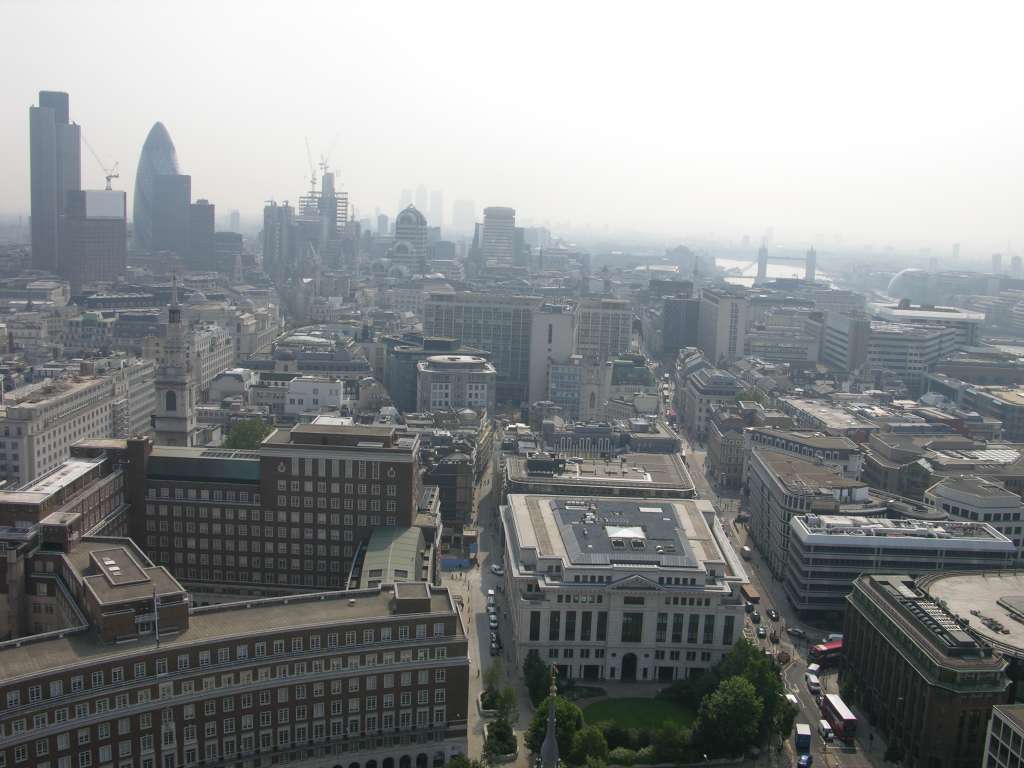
<point>981,500</point>
<point>40,422</point>
<point>620,588</point>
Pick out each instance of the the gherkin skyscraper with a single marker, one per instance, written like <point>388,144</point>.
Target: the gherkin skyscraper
<point>158,157</point>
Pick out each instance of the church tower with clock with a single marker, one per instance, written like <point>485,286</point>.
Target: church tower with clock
<point>174,422</point>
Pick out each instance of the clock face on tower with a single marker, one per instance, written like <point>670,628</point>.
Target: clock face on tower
<point>281,467</point>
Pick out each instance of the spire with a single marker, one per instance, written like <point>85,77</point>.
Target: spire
<point>549,749</point>
<point>174,310</point>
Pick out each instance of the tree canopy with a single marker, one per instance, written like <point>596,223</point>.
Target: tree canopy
<point>247,435</point>
<point>729,718</point>
<point>568,720</point>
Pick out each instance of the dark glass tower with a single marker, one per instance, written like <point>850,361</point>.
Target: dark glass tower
<point>158,158</point>
<point>56,169</point>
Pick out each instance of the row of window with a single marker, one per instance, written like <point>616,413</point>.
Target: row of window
<point>213,747</point>
<point>184,662</point>
<point>350,687</point>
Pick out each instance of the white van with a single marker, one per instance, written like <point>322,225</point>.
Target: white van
<point>825,731</point>
<point>814,669</point>
<point>813,683</point>
<point>793,700</point>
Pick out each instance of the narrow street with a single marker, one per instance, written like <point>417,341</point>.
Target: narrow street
<point>868,748</point>
<point>473,586</point>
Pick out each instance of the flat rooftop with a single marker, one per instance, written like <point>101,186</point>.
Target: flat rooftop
<point>640,470</point>
<point>227,621</point>
<point>1012,713</point>
<point>871,529</point>
<point>810,438</point>
<point>617,531</point>
<point>832,416</point>
<point>981,487</point>
<point>800,475</point>
<point>928,313</point>
<point>932,627</point>
<point>115,570</point>
<point>983,598</point>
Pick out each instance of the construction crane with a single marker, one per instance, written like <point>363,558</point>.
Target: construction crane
<point>312,169</point>
<point>326,159</point>
<point>108,173</point>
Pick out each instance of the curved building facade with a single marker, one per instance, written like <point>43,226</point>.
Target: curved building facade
<point>158,157</point>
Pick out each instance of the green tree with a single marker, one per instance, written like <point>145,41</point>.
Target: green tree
<point>746,660</point>
<point>537,676</point>
<point>670,742</point>
<point>500,738</point>
<point>247,435</point>
<point>589,742</point>
<point>568,720</point>
<point>507,704</point>
<point>729,718</point>
<point>492,679</point>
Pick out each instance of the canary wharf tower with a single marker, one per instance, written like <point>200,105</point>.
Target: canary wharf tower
<point>158,158</point>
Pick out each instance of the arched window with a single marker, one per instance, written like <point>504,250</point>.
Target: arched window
<point>171,402</point>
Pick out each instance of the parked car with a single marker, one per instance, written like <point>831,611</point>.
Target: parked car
<point>755,617</point>
<point>762,633</point>
<point>796,632</point>
<point>495,650</point>
<point>497,570</point>
<point>492,621</point>
<point>496,639</point>
<point>773,614</point>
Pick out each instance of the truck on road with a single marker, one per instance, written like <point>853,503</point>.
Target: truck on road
<point>802,741</point>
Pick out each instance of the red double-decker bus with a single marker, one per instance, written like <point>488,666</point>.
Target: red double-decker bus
<point>839,716</point>
<point>826,653</point>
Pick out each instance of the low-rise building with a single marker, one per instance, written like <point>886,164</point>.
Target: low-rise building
<point>827,552</point>
<point>924,678</point>
<point>455,381</point>
<point>40,422</point>
<point>636,475</point>
<point>780,486</point>
<point>621,588</point>
<point>825,417</point>
<point>980,500</point>
<point>705,389</point>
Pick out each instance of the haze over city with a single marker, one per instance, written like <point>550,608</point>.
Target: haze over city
<point>881,123</point>
<point>463,385</point>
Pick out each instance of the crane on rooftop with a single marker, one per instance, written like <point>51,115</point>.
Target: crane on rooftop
<point>108,173</point>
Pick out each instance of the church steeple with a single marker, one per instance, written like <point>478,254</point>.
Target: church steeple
<point>174,421</point>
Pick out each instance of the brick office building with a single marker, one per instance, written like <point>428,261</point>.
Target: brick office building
<point>113,665</point>
<point>923,677</point>
<point>295,514</point>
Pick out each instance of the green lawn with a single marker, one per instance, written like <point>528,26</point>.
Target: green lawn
<point>637,713</point>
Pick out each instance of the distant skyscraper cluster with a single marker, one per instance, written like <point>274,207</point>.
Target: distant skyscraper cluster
<point>77,234</point>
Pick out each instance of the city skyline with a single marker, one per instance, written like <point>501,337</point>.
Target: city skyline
<point>802,130</point>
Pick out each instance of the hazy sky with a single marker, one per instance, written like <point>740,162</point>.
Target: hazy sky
<point>894,121</point>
